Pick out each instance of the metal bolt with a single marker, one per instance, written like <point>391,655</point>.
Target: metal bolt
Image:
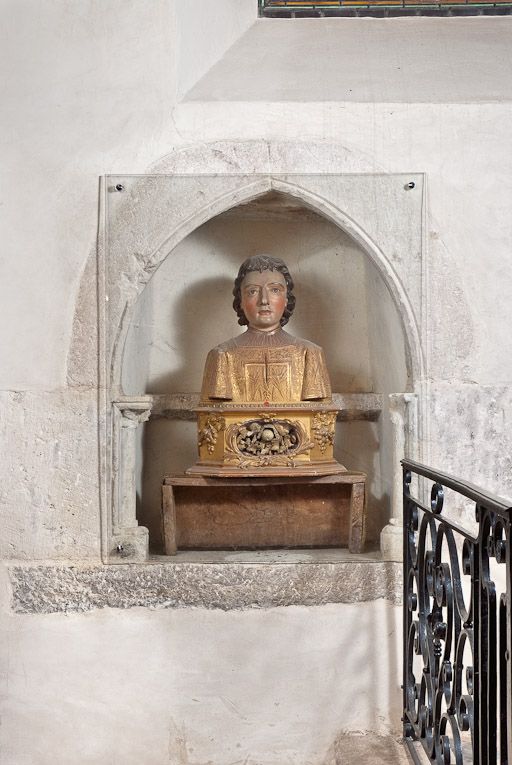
<point>119,187</point>
<point>119,548</point>
<point>410,185</point>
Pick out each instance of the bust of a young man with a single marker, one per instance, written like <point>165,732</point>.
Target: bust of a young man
<point>265,364</point>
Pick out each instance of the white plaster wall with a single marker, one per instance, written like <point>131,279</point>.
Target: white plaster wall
<point>190,686</point>
<point>88,89</point>
<point>408,60</point>
<point>389,367</point>
<point>387,350</point>
<point>204,31</point>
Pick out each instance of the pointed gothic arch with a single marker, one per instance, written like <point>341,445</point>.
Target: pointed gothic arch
<point>216,205</point>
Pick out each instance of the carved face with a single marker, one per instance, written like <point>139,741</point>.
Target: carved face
<point>263,299</point>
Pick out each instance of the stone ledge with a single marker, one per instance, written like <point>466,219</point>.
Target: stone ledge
<point>181,406</point>
<point>226,586</point>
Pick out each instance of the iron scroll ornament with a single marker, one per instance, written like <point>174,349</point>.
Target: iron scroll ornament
<point>457,639</point>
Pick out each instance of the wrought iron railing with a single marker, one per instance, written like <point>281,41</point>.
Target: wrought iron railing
<point>293,8</point>
<point>457,685</point>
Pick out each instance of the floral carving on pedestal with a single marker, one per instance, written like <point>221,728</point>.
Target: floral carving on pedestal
<point>266,442</point>
<point>322,428</point>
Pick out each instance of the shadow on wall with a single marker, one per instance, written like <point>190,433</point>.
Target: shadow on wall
<point>318,305</point>
<point>194,315</point>
<point>358,446</point>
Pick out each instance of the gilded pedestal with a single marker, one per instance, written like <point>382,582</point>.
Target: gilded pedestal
<point>250,440</point>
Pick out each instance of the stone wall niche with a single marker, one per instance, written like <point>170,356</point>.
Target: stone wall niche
<point>170,248</point>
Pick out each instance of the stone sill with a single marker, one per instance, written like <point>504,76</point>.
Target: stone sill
<point>273,557</point>
<point>180,406</point>
<point>213,580</point>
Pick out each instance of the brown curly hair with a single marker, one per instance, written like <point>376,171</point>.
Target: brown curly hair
<point>263,263</point>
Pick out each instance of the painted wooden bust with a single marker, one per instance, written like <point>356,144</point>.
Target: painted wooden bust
<point>265,364</point>
<point>265,405</point>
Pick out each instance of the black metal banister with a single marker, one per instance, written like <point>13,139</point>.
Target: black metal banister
<point>469,490</point>
<point>457,631</point>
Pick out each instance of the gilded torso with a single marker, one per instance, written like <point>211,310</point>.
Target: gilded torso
<point>266,367</point>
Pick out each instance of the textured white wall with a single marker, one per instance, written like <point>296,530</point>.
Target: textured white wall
<point>204,31</point>
<point>408,60</point>
<point>88,89</point>
<point>185,687</point>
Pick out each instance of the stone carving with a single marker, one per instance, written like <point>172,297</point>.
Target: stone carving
<point>128,539</point>
<point>402,415</point>
<point>132,418</point>
<point>266,367</point>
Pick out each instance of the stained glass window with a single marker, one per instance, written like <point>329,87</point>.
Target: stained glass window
<point>297,8</point>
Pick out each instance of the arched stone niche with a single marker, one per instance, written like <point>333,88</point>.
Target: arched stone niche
<point>374,219</point>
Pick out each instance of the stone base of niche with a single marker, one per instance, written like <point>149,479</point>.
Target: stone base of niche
<point>214,580</point>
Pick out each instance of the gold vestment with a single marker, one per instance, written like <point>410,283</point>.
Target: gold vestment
<point>265,367</point>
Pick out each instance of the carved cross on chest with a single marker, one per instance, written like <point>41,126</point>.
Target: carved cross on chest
<point>268,381</point>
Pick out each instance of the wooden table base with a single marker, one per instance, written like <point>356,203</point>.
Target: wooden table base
<point>255,513</point>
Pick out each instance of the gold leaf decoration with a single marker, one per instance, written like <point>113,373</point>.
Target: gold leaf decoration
<point>322,428</point>
<point>209,432</point>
